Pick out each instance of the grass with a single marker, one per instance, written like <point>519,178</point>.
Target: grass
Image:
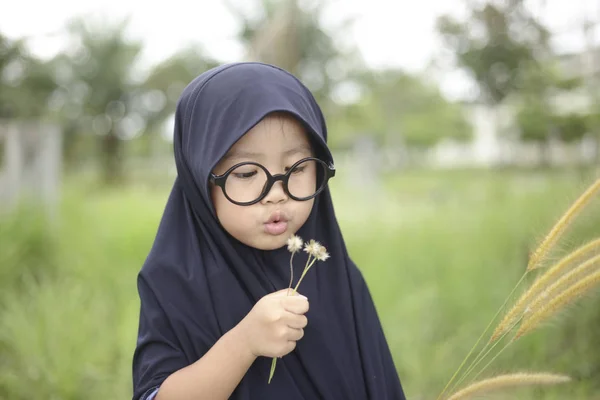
<point>543,306</point>
<point>440,251</point>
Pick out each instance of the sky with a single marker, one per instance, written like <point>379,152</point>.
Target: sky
<point>388,33</point>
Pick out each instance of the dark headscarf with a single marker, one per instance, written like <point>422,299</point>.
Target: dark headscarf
<point>198,282</point>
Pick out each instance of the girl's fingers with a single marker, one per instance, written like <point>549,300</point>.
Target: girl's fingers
<point>296,321</point>
<point>295,334</point>
<point>295,304</point>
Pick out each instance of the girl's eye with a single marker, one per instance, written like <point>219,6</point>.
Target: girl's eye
<point>244,175</point>
<point>296,170</point>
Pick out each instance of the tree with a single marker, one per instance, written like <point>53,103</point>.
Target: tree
<point>399,106</point>
<point>105,100</point>
<point>573,126</point>
<point>164,85</point>
<point>502,46</point>
<point>535,116</point>
<point>538,119</point>
<point>97,89</point>
<point>592,78</point>
<point>497,46</point>
<point>283,33</point>
<point>393,104</point>
<point>25,82</point>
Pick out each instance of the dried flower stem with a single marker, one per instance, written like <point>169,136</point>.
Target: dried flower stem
<point>306,268</point>
<point>272,371</point>
<point>560,227</point>
<point>569,295</point>
<point>315,252</point>
<point>291,272</point>
<point>559,268</point>
<point>294,243</point>
<point>512,380</point>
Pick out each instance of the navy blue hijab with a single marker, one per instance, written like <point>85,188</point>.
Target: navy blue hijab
<point>198,282</point>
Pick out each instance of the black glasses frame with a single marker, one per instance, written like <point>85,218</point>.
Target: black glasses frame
<point>220,180</point>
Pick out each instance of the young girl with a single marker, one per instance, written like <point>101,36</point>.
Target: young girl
<point>253,166</point>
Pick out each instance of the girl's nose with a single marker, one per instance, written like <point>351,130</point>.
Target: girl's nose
<point>276,194</point>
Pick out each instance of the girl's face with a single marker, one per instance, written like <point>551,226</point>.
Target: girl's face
<point>276,143</point>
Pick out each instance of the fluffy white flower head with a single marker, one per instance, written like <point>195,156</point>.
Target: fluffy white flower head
<point>322,254</point>
<point>294,244</point>
<point>312,247</point>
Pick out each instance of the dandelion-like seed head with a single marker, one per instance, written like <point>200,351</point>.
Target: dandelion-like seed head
<point>312,247</point>
<point>322,254</point>
<point>294,243</point>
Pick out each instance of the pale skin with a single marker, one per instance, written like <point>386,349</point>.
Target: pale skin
<point>277,321</point>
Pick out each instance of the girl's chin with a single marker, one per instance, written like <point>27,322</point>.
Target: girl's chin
<point>269,242</point>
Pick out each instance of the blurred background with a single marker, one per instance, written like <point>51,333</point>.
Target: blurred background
<point>462,129</point>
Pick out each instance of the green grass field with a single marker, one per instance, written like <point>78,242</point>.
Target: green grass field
<point>440,251</point>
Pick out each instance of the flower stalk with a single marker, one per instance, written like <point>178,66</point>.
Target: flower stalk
<point>316,252</point>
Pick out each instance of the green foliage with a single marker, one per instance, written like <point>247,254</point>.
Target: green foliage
<point>494,44</point>
<point>111,111</point>
<point>168,79</point>
<point>101,93</point>
<point>572,126</point>
<point>534,121</point>
<point>96,87</point>
<point>66,340</point>
<point>70,334</point>
<point>537,119</point>
<point>593,123</point>
<point>506,50</point>
<point>452,248</point>
<point>25,83</point>
<point>28,248</point>
<point>284,33</point>
<point>393,106</point>
<point>402,107</point>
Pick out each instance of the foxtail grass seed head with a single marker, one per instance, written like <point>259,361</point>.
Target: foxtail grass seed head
<point>539,255</point>
<point>294,244</point>
<point>565,264</point>
<point>508,381</point>
<point>564,298</point>
<point>528,300</point>
<point>565,281</point>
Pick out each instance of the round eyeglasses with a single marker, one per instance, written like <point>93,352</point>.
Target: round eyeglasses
<point>248,182</point>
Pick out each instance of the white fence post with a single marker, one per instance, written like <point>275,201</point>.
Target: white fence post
<point>32,164</point>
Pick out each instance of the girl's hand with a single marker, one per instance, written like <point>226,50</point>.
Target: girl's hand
<point>275,324</point>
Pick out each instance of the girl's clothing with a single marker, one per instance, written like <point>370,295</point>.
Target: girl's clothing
<point>198,282</point>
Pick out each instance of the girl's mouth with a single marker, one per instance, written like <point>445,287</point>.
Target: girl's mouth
<point>276,227</point>
<point>277,224</point>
